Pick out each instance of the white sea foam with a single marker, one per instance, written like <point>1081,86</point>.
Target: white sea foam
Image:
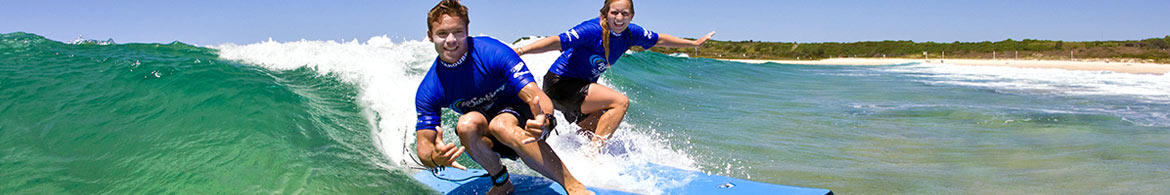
<point>1148,88</point>
<point>388,75</point>
<point>1141,88</point>
<point>378,66</point>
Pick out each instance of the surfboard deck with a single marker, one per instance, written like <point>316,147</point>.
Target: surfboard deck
<point>472,181</point>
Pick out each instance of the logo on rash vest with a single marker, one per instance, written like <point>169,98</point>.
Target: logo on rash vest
<point>481,103</point>
<point>599,65</point>
<point>516,69</point>
<point>573,34</point>
<point>647,33</point>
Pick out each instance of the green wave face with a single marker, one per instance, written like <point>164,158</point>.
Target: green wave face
<point>95,117</point>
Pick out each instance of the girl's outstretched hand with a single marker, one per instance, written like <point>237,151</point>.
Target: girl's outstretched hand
<point>704,39</point>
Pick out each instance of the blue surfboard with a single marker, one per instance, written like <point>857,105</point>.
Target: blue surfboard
<point>475,181</point>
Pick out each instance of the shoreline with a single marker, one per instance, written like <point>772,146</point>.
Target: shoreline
<point>1094,65</point>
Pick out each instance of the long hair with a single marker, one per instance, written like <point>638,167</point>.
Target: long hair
<point>605,26</point>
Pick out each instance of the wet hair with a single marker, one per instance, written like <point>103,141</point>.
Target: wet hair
<point>446,7</point>
<point>605,25</point>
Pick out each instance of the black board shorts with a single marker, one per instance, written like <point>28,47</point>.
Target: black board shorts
<point>522,113</point>
<point>567,95</point>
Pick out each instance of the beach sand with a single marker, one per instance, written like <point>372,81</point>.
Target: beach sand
<point>1093,65</point>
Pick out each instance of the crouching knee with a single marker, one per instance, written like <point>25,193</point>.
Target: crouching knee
<point>470,124</point>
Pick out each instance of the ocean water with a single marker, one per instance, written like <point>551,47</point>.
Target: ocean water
<point>336,117</point>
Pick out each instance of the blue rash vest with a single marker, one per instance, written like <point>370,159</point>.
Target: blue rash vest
<point>582,54</point>
<point>488,77</point>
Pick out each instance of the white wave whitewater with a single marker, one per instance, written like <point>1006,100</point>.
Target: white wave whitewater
<point>1145,88</point>
<point>1149,88</point>
<point>388,75</point>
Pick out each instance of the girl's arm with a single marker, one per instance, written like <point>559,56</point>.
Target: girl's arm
<point>540,46</point>
<point>665,40</point>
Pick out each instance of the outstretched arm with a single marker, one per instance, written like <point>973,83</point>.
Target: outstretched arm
<point>540,46</point>
<point>666,40</point>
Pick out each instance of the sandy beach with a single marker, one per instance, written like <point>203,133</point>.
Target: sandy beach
<point>1125,67</point>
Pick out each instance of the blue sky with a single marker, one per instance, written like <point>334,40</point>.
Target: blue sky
<point>213,21</point>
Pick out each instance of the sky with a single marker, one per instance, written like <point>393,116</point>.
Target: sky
<point>213,22</point>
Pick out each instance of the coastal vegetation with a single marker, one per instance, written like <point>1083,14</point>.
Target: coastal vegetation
<point>1147,50</point>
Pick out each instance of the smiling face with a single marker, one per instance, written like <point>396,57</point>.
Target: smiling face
<point>450,37</point>
<point>619,15</point>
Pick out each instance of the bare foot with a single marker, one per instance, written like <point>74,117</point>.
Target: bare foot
<point>575,188</point>
<point>592,152</point>
<point>595,145</point>
<point>579,191</point>
<point>504,189</point>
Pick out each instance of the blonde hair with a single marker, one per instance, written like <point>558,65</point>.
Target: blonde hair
<point>605,26</point>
